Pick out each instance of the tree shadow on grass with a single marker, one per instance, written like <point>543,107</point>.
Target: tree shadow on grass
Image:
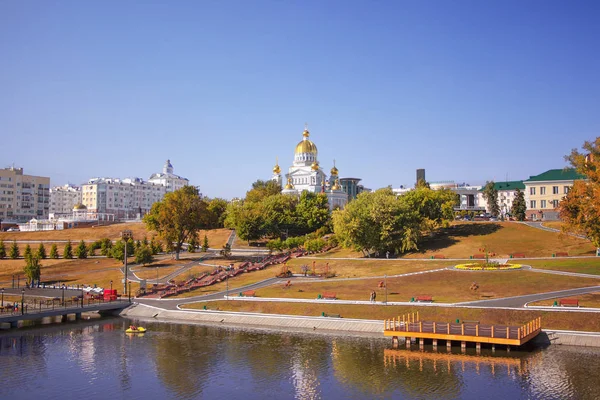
<point>447,237</point>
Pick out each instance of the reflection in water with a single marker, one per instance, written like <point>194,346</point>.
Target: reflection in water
<point>97,360</point>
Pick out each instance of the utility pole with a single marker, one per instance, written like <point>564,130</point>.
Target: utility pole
<point>385,285</point>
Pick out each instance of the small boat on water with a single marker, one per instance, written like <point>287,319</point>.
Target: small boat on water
<point>135,329</point>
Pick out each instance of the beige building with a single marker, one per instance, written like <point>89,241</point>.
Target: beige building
<point>23,197</point>
<point>543,192</point>
<point>124,198</point>
<point>64,198</point>
<point>168,179</point>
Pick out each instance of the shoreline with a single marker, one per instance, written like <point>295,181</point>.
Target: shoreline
<point>320,325</point>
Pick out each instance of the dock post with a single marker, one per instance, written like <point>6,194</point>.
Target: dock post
<point>493,348</point>
<point>463,346</point>
<point>407,340</point>
<point>478,347</point>
<point>421,343</point>
<point>449,345</point>
<point>435,344</point>
<point>508,348</point>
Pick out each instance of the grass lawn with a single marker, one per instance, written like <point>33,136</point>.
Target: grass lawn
<point>553,224</point>
<point>582,265</point>
<point>503,238</point>
<point>216,237</point>
<point>585,300</point>
<point>365,267</point>
<point>444,286</point>
<point>550,320</point>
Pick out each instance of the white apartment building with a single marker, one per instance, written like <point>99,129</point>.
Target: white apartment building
<point>125,198</point>
<point>23,197</point>
<point>64,198</point>
<point>168,179</point>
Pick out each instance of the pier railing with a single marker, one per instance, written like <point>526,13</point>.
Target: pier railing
<point>412,323</point>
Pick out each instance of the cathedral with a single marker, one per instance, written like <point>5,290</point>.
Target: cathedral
<point>306,174</point>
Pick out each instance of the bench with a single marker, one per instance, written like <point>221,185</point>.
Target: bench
<point>560,254</point>
<point>438,257</point>
<point>517,255</point>
<point>424,299</point>
<point>480,256</point>
<point>328,296</point>
<point>332,315</point>
<point>249,293</point>
<point>568,302</point>
<point>470,322</point>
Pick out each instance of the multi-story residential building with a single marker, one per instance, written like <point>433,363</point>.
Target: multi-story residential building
<point>124,198</point>
<point>168,179</point>
<point>23,197</point>
<point>64,198</point>
<point>543,192</point>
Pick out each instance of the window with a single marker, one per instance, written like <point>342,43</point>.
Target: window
<point>532,190</point>
<point>532,204</point>
<point>543,190</point>
<point>543,203</point>
<point>554,189</point>
<point>554,203</point>
<point>566,189</point>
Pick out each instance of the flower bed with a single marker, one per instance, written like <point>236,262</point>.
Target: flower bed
<point>483,267</point>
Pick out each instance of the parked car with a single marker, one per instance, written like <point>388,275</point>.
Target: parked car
<point>12,230</point>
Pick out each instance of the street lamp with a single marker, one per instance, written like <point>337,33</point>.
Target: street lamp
<point>2,297</point>
<point>111,287</point>
<point>385,286</point>
<point>22,301</point>
<point>63,294</point>
<point>129,293</point>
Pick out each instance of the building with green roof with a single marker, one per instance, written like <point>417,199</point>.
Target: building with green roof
<point>543,192</point>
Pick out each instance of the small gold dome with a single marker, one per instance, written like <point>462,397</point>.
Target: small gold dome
<point>315,166</point>
<point>79,206</point>
<point>289,184</point>
<point>276,169</point>
<point>336,185</point>
<point>334,171</point>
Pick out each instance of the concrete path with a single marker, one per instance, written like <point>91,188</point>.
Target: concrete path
<point>520,301</point>
<point>540,225</point>
<point>551,271</point>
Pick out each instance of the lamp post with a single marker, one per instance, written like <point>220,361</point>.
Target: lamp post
<point>3,297</point>
<point>129,293</point>
<point>385,286</point>
<point>63,294</point>
<point>22,301</point>
<point>125,281</point>
<point>111,286</point>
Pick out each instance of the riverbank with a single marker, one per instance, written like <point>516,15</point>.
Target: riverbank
<point>363,327</point>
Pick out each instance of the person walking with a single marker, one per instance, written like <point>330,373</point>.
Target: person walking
<point>374,296</point>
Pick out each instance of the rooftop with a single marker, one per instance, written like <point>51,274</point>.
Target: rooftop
<point>565,174</point>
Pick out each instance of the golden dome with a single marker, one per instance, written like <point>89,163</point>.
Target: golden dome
<point>289,184</point>
<point>306,146</point>
<point>334,171</point>
<point>336,185</point>
<point>79,206</point>
<point>315,166</point>
<point>276,169</point>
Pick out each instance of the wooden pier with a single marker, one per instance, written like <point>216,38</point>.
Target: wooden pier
<point>411,327</point>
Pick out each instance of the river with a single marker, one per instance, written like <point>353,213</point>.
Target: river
<point>97,360</point>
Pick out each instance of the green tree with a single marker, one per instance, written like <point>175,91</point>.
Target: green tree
<point>178,217</point>
<point>262,189</point>
<point>27,252</point>
<point>490,194</point>
<point>118,251</point>
<point>68,251</point>
<point>14,252</point>
<point>313,211</point>
<point>53,251</point>
<point>2,249</point>
<point>106,247</point>
<point>41,252</point>
<point>226,251</point>
<point>518,206</point>
<point>81,251</point>
<point>32,269</point>
<point>205,244</point>
<point>434,207</point>
<point>579,209</point>
<point>278,214</point>
<point>138,244</point>
<point>250,222</point>
<point>143,255</point>
<point>193,244</point>
<point>145,242</point>
<point>217,212</point>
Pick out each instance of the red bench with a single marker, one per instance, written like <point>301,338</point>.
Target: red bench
<point>249,293</point>
<point>428,299</point>
<point>328,295</point>
<point>439,256</point>
<point>478,256</point>
<point>569,302</point>
<point>560,254</point>
<point>517,255</point>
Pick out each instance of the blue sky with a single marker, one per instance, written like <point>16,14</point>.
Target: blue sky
<point>469,90</point>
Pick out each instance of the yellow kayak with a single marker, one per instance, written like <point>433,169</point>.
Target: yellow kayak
<point>138,329</point>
